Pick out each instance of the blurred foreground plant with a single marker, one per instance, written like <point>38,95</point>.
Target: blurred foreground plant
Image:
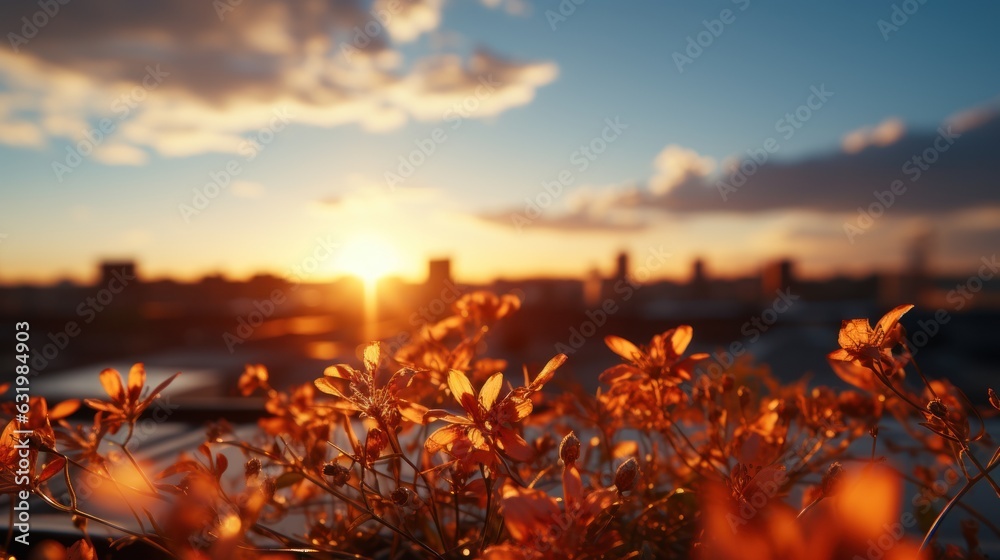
<point>429,453</point>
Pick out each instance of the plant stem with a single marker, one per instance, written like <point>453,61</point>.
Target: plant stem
<point>950,505</point>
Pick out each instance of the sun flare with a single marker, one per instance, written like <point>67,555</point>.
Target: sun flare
<point>369,257</point>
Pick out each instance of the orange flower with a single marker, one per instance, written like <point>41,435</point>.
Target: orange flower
<point>864,349</point>
<point>362,394</point>
<point>661,360</point>
<point>540,529</point>
<point>13,477</point>
<point>488,426</point>
<point>254,377</point>
<point>126,403</point>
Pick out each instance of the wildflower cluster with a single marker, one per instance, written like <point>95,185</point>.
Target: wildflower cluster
<point>430,452</point>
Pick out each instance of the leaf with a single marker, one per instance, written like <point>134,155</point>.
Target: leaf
<point>64,409</point>
<point>888,321</point>
<point>548,372</point>
<point>179,467</point>
<point>52,469</point>
<point>601,522</point>
<point>159,388</point>
<point>341,371</point>
<point>287,479</point>
<point>326,386</point>
<point>221,464</point>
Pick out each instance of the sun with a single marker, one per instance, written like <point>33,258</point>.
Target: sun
<point>369,257</point>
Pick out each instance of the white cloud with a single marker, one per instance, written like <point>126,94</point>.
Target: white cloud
<point>220,80</point>
<point>676,164</point>
<point>885,133</point>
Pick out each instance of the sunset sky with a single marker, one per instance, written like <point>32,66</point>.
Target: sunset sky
<point>317,103</point>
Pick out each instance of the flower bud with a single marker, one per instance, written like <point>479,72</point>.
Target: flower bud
<point>627,475</point>
<point>569,449</point>
<point>252,468</point>
<point>937,408</point>
<point>832,478</point>
<point>337,472</point>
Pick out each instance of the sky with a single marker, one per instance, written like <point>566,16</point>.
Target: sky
<point>517,137</point>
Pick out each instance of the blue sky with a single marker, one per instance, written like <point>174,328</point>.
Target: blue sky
<point>352,118</point>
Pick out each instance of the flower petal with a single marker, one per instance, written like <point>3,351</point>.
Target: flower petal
<point>136,379</point>
<point>373,355</point>
<point>112,382</point>
<point>623,348</point>
<point>491,390</point>
<point>854,334</point>
<point>459,385</point>
<point>443,438</point>
<point>680,338</point>
<point>547,372</point>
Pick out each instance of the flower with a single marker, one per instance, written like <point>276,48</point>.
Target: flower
<point>254,376</point>
<point>488,425</point>
<point>864,350</point>
<point>126,405</point>
<point>661,360</point>
<point>364,395</point>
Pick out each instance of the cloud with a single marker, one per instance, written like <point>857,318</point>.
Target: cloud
<point>586,209</point>
<point>885,133</point>
<point>579,221</point>
<point>247,189</point>
<point>512,7</point>
<point>943,170</point>
<point>676,165</point>
<point>177,78</point>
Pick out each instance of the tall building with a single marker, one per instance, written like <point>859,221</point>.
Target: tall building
<point>438,273</point>
<point>621,270</point>
<point>776,276</point>
<point>699,280</point>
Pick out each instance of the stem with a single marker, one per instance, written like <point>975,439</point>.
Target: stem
<point>950,505</point>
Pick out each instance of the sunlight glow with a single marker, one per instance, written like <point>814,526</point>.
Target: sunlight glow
<point>369,257</point>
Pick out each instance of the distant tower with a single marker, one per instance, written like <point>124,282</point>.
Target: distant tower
<point>119,282</point>
<point>699,280</point>
<point>915,278</point>
<point>592,287</point>
<point>777,276</point>
<point>621,270</point>
<point>111,270</point>
<point>438,274</point>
